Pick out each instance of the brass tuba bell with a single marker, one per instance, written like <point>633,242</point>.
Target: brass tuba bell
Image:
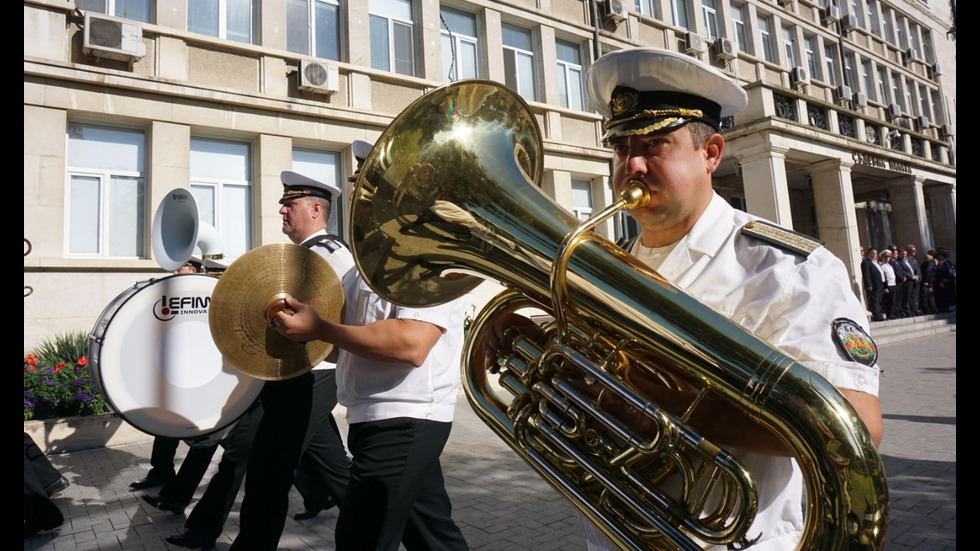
<point>449,196</point>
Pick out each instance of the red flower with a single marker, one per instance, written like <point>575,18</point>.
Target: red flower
<point>31,360</point>
<point>83,361</point>
<point>58,366</point>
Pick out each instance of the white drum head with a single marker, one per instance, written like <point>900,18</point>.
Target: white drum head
<point>160,370</point>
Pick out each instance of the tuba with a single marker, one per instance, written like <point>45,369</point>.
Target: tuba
<point>449,198</point>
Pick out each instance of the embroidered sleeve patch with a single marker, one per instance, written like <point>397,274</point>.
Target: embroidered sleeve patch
<point>854,342</point>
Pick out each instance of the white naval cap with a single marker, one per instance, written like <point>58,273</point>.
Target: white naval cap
<point>361,149</point>
<point>295,185</point>
<point>642,90</point>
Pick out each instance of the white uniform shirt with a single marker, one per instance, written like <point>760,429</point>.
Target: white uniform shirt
<point>787,300</point>
<point>889,272</point>
<point>373,390</point>
<point>341,260</point>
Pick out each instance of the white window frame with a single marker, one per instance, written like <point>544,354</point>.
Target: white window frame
<point>116,8</point>
<point>679,15</point>
<point>866,78</point>
<point>219,188</point>
<point>882,78</point>
<point>789,46</point>
<point>458,39</point>
<point>582,187</point>
<point>518,81</point>
<point>830,64</point>
<point>314,27</point>
<point>224,7</point>
<point>888,26</point>
<point>377,11</point>
<point>811,55</point>
<point>105,229</point>
<point>872,15</point>
<point>709,12</point>
<point>765,39</point>
<point>569,72</point>
<point>739,31</point>
<point>645,7</point>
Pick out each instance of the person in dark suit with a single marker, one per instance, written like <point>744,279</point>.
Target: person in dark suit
<point>874,283</point>
<point>909,296</point>
<point>928,290</point>
<point>913,260</point>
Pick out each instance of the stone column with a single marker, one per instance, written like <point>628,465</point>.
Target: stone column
<point>909,211</point>
<point>833,198</point>
<point>942,206</point>
<point>275,154</point>
<point>764,181</point>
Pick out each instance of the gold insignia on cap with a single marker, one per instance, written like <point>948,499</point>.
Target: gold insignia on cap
<point>655,113</point>
<point>623,102</point>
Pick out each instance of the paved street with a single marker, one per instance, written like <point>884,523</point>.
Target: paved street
<point>500,504</point>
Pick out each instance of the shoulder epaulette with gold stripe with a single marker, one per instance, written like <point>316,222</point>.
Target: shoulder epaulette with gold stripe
<point>781,237</point>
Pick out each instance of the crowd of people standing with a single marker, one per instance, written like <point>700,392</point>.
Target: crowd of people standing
<point>899,285</point>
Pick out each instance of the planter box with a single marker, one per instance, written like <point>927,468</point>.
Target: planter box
<point>72,434</point>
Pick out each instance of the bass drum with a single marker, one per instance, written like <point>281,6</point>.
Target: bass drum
<point>154,361</point>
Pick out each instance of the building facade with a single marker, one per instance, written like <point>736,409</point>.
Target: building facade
<point>848,136</point>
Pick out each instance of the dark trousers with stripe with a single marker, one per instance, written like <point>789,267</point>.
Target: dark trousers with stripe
<point>396,490</point>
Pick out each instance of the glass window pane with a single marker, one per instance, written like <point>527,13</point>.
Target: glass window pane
<point>459,23</point>
<point>98,6</point>
<point>516,38</point>
<point>125,229</point>
<point>136,10</point>
<point>298,26</point>
<point>236,220</point>
<point>239,18</point>
<point>575,88</point>
<point>202,17</point>
<point>568,52</point>
<point>103,148</point>
<point>404,49</point>
<point>398,9</point>
<point>219,159</point>
<point>380,55</point>
<point>83,226</point>
<point>205,198</point>
<point>448,66</point>
<point>563,85</point>
<point>327,31</point>
<point>525,76</point>
<point>467,60</point>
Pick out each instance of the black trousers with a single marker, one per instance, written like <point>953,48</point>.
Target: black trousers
<point>180,489</point>
<point>323,467</point>
<point>162,457</point>
<point>397,491</point>
<point>275,453</point>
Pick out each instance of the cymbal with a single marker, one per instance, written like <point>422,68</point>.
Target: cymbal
<point>250,291</point>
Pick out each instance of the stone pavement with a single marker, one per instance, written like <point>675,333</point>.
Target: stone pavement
<point>501,504</point>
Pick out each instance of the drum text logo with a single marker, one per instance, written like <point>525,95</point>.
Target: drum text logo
<point>167,308</point>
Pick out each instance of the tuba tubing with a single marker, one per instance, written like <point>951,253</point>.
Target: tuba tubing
<point>449,196</point>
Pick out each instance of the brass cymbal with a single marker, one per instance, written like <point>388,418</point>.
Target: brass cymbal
<point>251,289</point>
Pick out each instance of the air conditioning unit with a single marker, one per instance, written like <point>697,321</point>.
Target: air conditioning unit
<point>894,111</point>
<point>616,10</point>
<point>113,37</point>
<point>831,14</point>
<point>786,3</point>
<point>314,76</point>
<point>859,100</point>
<point>946,130</point>
<point>909,55</point>
<point>935,70</point>
<point>694,43</point>
<point>798,77</point>
<point>922,122</point>
<point>842,93</point>
<point>723,48</point>
<point>849,22</point>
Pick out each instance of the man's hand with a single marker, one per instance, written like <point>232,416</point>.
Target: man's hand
<point>299,322</point>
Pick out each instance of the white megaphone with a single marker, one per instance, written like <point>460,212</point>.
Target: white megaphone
<point>179,233</point>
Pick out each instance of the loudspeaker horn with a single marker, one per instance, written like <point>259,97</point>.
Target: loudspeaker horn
<point>175,229</point>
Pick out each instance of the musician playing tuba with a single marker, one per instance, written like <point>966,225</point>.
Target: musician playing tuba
<point>662,112</point>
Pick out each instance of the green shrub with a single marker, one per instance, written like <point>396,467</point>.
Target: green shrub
<point>57,380</point>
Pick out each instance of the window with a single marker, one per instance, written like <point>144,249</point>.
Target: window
<point>924,109</point>
<point>569,74</point>
<point>886,14</point>
<point>914,33</point>
<point>903,39</point>
<point>106,202</point>
<point>849,79</point>
<point>831,60</point>
<point>872,6</point>
<point>896,91</point>
<point>519,62</point>
<point>393,36</point>
<point>766,39</point>
<point>582,199</point>
<point>709,10</point>
<point>460,45</point>
<point>644,7</point>
<point>927,54</point>
<point>221,174</point>
<point>882,86</point>
<point>678,9</point>
<point>789,47</point>
<point>323,166</point>
<point>811,56</point>
<point>738,20</point>
<point>866,73</point>
<point>313,28</point>
<point>232,19</point>
<point>855,10</point>
<point>137,10</point>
